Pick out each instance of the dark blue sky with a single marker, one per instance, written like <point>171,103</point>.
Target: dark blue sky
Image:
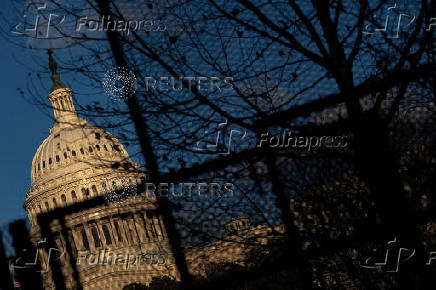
<point>24,127</point>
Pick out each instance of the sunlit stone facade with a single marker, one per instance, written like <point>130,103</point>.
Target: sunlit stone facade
<point>113,244</point>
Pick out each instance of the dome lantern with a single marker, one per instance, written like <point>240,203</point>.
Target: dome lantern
<point>60,96</point>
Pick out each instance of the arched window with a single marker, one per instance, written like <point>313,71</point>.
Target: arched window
<point>82,151</point>
<point>57,158</point>
<point>43,164</point>
<point>116,148</point>
<point>107,235</point>
<point>55,204</point>
<point>73,195</point>
<point>85,192</point>
<point>63,106</point>
<point>97,147</point>
<point>65,155</point>
<point>39,167</point>
<point>63,198</point>
<point>117,229</point>
<point>85,240</point>
<point>90,148</point>
<point>73,153</point>
<point>95,236</point>
<point>94,189</point>
<point>105,147</point>
<point>97,136</point>
<point>104,186</point>
<point>46,205</point>
<point>49,161</point>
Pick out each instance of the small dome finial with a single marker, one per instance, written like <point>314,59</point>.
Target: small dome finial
<point>56,78</point>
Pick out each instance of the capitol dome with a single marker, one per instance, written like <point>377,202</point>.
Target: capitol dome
<point>74,144</point>
<point>77,161</point>
<point>72,169</point>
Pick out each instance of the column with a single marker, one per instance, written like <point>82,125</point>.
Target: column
<point>140,228</point>
<point>90,238</point>
<point>116,241</point>
<point>162,227</point>
<point>149,226</point>
<point>132,230</point>
<point>157,227</point>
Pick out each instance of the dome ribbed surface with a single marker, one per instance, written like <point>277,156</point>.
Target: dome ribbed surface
<point>78,145</point>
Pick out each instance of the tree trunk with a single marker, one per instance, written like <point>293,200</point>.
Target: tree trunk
<point>141,129</point>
